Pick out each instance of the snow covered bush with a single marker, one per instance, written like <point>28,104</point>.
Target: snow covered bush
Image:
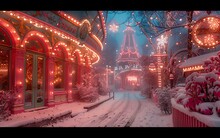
<point>173,91</point>
<point>164,100</point>
<point>101,85</point>
<point>205,108</point>
<point>200,89</point>
<point>7,99</point>
<point>93,85</point>
<point>203,90</point>
<point>217,107</point>
<point>87,91</point>
<point>179,97</point>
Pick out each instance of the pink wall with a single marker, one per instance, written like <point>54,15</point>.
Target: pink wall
<point>17,69</point>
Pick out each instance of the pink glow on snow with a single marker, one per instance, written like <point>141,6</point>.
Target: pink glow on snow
<point>36,116</point>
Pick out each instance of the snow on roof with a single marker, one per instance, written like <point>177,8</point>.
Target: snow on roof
<point>198,60</point>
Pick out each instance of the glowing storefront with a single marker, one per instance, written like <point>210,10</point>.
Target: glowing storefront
<point>44,53</point>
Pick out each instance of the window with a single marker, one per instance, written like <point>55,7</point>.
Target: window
<point>59,69</point>
<point>4,67</point>
<point>59,75</point>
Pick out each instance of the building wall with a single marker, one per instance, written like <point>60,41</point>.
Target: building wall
<point>44,69</point>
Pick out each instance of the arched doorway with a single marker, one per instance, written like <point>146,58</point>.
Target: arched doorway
<point>34,73</point>
<point>5,60</point>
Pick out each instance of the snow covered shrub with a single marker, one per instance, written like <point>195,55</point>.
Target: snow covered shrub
<point>217,96</point>
<point>87,92</point>
<point>217,89</point>
<point>101,86</point>
<point>193,90</point>
<point>203,90</point>
<point>179,97</point>
<point>7,99</point>
<point>205,108</point>
<point>164,100</point>
<point>173,91</point>
<point>217,107</point>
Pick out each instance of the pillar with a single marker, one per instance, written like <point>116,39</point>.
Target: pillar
<point>68,80</point>
<point>49,78</point>
<point>18,67</point>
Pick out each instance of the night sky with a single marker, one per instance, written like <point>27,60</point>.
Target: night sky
<point>176,40</point>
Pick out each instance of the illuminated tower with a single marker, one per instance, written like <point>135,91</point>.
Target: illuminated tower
<point>129,52</point>
<point>128,70</point>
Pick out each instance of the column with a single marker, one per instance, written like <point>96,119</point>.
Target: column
<point>49,98</point>
<point>79,70</point>
<point>17,62</point>
<point>68,80</point>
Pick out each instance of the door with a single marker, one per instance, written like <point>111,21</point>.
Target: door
<point>34,80</point>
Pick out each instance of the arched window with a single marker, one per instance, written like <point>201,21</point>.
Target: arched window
<point>4,60</point>
<point>4,68</point>
<point>59,63</point>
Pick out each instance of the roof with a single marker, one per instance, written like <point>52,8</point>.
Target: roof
<point>198,60</point>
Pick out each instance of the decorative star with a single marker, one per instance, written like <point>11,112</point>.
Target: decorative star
<point>113,27</point>
<point>162,41</point>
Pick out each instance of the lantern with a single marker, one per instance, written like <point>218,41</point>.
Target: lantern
<point>152,67</point>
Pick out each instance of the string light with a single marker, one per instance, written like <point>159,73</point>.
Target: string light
<point>209,40</point>
<point>193,68</point>
<point>50,28</point>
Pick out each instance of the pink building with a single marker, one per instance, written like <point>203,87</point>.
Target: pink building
<point>44,53</point>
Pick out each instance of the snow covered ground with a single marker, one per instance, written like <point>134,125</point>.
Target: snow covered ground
<point>36,116</point>
<point>127,109</point>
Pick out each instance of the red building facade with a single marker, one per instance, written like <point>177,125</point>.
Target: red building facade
<point>44,53</point>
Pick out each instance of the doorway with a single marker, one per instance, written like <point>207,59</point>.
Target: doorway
<point>34,80</point>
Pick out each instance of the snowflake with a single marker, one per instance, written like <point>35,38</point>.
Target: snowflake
<point>162,41</point>
<point>113,27</point>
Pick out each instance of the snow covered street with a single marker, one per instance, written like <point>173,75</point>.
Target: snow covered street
<point>128,109</point>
